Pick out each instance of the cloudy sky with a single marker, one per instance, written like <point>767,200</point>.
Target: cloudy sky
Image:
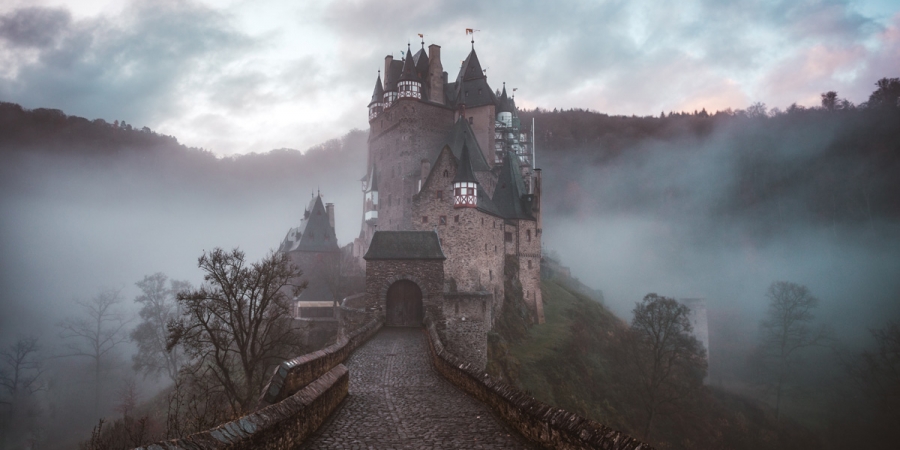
<point>236,76</point>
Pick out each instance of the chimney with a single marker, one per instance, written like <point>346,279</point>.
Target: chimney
<point>387,69</point>
<point>435,75</point>
<point>329,208</point>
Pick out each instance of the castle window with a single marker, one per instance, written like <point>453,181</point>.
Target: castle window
<point>529,263</point>
<point>456,219</point>
<point>528,236</point>
<point>491,274</point>
<point>482,224</point>
<point>485,247</point>
<point>495,249</point>
<point>446,173</point>
<point>443,220</point>
<point>495,224</point>
<point>507,236</point>
<point>471,120</point>
<point>440,195</point>
<point>424,219</point>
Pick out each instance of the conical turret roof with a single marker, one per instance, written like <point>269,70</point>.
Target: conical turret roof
<point>504,105</point>
<point>471,68</point>
<point>409,68</point>
<point>378,94</point>
<point>464,172</point>
<point>510,189</point>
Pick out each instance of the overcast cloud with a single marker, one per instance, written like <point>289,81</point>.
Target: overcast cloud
<point>239,76</point>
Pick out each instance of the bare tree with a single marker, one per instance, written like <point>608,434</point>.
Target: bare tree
<point>96,332</point>
<point>20,379</point>
<point>159,308</point>
<point>238,323</point>
<point>666,362</point>
<point>784,333</point>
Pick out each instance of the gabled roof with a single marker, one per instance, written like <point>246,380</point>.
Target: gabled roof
<point>409,68</point>
<point>510,189</point>
<point>390,245</point>
<point>464,172</point>
<point>378,94</point>
<point>462,135</point>
<point>314,234</point>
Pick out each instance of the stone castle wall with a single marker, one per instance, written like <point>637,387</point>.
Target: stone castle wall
<point>381,274</point>
<point>466,322</point>
<point>399,138</point>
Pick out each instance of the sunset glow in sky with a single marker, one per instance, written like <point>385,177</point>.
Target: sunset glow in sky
<point>239,76</point>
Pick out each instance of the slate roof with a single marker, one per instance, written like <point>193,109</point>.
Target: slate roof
<point>421,60</point>
<point>378,94</point>
<point>462,135</point>
<point>485,204</point>
<point>409,68</point>
<point>314,234</point>
<point>391,245</point>
<point>373,180</point>
<point>316,291</point>
<point>464,172</point>
<point>510,189</point>
<point>471,86</point>
<point>505,105</point>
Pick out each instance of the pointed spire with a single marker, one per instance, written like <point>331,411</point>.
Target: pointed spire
<point>378,93</point>
<point>464,172</point>
<point>504,105</point>
<point>409,68</point>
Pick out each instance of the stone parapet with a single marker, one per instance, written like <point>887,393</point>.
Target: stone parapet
<point>292,375</point>
<point>281,426</point>
<point>538,422</point>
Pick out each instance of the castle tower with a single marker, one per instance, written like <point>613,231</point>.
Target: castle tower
<point>410,84</point>
<point>465,185</point>
<point>377,103</point>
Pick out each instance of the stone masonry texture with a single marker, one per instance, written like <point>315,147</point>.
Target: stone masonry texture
<point>397,401</point>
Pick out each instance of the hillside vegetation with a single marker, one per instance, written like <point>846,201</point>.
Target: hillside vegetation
<point>573,362</point>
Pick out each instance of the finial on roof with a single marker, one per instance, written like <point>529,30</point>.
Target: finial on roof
<point>422,37</point>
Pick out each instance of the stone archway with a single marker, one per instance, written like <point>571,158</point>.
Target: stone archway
<point>404,305</point>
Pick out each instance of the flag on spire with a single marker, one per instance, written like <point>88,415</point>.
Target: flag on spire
<point>469,31</point>
<point>421,35</point>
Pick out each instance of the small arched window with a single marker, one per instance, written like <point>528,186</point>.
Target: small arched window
<point>446,173</point>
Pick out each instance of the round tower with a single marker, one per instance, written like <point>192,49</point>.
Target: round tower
<point>376,106</point>
<point>410,84</point>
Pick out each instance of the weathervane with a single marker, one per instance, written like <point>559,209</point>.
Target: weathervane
<point>472,32</point>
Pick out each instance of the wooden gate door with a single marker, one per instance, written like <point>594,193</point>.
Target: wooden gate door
<point>404,305</point>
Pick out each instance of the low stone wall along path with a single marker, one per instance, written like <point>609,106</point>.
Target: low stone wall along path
<point>398,401</point>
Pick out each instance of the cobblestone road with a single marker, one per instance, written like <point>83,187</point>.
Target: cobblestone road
<point>398,401</point>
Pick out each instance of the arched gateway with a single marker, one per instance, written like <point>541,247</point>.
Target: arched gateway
<point>404,276</point>
<point>403,306</point>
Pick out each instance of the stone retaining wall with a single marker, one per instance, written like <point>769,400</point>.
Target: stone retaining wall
<point>281,426</point>
<point>538,422</point>
<point>292,375</point>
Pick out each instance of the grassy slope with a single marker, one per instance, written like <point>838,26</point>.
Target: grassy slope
<point>567,362</point>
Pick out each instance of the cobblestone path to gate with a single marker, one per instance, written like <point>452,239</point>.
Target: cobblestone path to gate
<point>398,401</point>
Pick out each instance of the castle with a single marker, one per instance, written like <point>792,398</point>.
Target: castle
<point>451,202</point>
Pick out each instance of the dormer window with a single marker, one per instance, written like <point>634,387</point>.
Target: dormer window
<point>410,89</point>
<point>464,195</point>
